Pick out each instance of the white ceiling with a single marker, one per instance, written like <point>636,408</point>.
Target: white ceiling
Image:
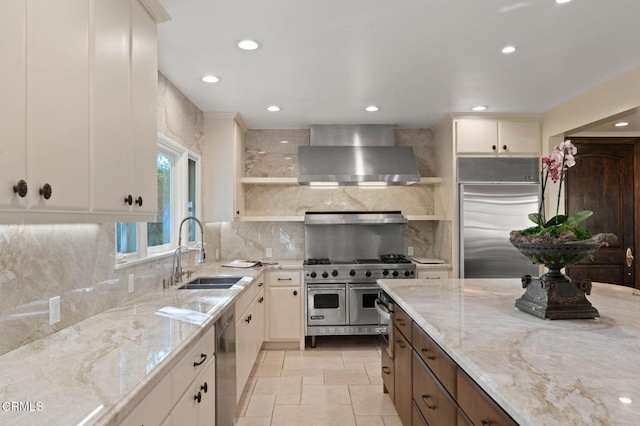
<point>323,61</point>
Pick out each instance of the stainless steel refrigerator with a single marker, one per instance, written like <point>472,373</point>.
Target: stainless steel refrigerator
<point>496,196</point>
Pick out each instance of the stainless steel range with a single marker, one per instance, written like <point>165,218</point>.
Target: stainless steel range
<point>346,253</point>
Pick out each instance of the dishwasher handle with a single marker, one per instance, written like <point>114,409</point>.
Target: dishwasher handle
<point>226,325</point>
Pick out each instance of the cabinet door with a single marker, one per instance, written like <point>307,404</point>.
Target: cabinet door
<point>285,317</point>
<point>144,92</point>
<point>259,321</point>
<point>402,379</point>
<point>519,137</point>
<point>388,376</point>
<point>110,113</point>
<point>477,137</point>
<point>12,102</point>
<point>57,75</point>
<point>197,405</point>
<point>245,348</point>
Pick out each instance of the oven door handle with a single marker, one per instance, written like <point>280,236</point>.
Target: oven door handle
<point>365,288</point>
<point>316,287</point>
<point>383,310</point>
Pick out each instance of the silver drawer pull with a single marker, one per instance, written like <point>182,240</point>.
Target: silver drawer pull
<point>284,279</point>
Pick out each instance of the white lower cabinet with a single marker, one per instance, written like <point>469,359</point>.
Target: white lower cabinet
<point>153,408</point>
<point>185,396</point>
<point>197,406</point>
<point>249,336</point>
<point>284,306</point>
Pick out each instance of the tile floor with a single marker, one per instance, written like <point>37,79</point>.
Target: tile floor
<point>336,383</point>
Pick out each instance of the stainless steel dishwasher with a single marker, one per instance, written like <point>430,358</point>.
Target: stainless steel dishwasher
<point>226,368</point>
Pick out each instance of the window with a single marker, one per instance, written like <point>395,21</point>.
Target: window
<point>178,197</point>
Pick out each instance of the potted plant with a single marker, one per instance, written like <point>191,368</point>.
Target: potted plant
<point>555,243</point>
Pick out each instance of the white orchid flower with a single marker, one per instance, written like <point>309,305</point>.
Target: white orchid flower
<point>569,160</point>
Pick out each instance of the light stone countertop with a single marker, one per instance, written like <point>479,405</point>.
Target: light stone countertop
<point>562,372</point>
<point>104,366</point>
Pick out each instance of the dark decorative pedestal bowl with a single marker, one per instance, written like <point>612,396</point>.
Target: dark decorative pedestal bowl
<point>554,295</point>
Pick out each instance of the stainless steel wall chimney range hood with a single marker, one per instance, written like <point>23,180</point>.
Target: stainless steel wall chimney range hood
<point>356,155</point>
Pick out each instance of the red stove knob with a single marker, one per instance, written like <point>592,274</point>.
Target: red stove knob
<point>313,274</point>
<point>407,273</point>
<point>325,274</point>
<point>367,274</point>
<point>395,273</point>
<point>352,272</point>
<point>385,272</point>
<point>334,273</point>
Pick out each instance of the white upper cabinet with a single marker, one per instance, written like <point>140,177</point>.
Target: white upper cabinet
<point>110,109</point>
<point>144,93</point>
<point>497,137</point>
<point>123,109</point>
<point>78,89</point>
<point>12,103</point>
<point>223,165</point>
<point>57,105</point>
<point>44,100</point>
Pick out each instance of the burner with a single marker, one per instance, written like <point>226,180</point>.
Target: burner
<point>317,261</point>
<point>394,258</point>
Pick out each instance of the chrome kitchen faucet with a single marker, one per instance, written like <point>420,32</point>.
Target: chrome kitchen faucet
<point>177,273</point>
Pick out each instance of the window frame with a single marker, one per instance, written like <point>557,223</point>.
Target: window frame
<point>179,205</point>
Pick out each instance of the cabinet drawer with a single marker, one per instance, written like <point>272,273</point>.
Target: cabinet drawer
<point>478,406</point>
<point>403,390</point>
<point>432,399</point>
<point>284,278</point>
<point>439,362</point>
<point>418,420</point>
<point>243,302</point>
<point>388,374</point>
<point>402,322</point>
<point>433,274</point>
<point>191,364</point>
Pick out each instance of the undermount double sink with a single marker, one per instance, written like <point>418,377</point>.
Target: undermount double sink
<point>210,283</point>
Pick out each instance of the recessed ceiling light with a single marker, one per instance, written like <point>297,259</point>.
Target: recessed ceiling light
<point>273,108</point>
<point>479,108</point>
<point>562,1</point>
<point>625,400</point>
<point>508,49</point>
<point>211,79</point>
<point>249,44</point>
<point>284,141</point>
<point>287,158</point>
<point>372,108</point>
<point>262,152</point>
<point>621,124</point>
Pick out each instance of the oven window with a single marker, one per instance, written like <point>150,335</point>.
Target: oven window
<point>326,301</point>
<point>369,300</point>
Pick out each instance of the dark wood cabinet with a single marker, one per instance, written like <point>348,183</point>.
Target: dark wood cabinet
<point>403,380</point>
<point>478,406</point>
<point>432,399</point>
<point>402,322</point>
<point>426,385</point>
<point>418,420</point>
<point>388,374</point>
<point>442,366</point>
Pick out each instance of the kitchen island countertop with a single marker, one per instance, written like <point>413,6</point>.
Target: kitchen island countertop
<point>97,370</point>
<point>541,372</point>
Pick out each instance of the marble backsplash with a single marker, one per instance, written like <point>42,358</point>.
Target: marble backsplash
<point>249,240</point>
